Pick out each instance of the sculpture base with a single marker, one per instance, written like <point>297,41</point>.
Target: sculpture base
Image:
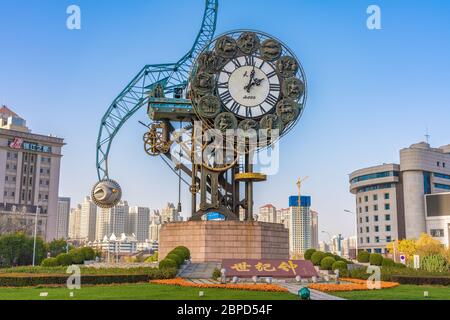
<point>212,241</point>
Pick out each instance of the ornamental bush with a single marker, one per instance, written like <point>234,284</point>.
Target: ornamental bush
<point>168,264</point>
<point>179,252</point>
<point>363,257</point>
<point>434,263</point>
<point>88,253</point>
<point>50,262</point>
<point>77,256</point>
<point>309,253</point>
<point>175,257</point>
<point>339,265</point>
<point>317,257</point>
<point>400,265</point>
<point>187,253</point>
<point>327,263</point>
<point>64,259</point>
<point>216,273</point>
<point>375,259</point>
<point>388,263</point>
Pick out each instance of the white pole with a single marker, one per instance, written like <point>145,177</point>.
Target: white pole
<point>35,234</point>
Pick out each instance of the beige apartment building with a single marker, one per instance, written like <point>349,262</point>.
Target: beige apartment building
<point>390,198</point>
<point>29,175</point>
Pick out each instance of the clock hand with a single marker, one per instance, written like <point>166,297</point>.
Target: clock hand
<point>250,83</point>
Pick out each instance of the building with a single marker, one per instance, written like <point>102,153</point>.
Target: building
<point>438,216</point>
<point>170,214</point>
<point>125,245</point>
<point>138,223</point>
<point>62,219</point>
<point>300,224</point>
<point>75,223</point>
<point>88,220</point>
<point>267,213</point>
<point>112,221</point>
<point>284,217</point>
<point>390,198</point>
<point>29,171</point>
<point>324,247</point>
<point>349,248</point>
<point>314,229</point>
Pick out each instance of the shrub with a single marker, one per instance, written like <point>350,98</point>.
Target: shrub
<point>309,253</point>
<point>434,263</point>
<point>175,257</point>
<point>179,253</point>
<point>168,264</point>
<point>421,280</point>
<point>400,265</point>
<point>186,253</point>
<point>375,259</point>
<point>88,253</point>
<point>327,263</point>
<point>77,256</point>
<point>216,273</point>
<point>64,259</point>
<point>363,257</point>
<point>339,265</point>
<point>317,257</point>
<point>50,262</point>
<point>153,258</point>
<point>388,263</point>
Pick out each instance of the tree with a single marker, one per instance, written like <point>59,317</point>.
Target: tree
<point>426,246</point>
<point>57,247</point>
<point>17,250</point>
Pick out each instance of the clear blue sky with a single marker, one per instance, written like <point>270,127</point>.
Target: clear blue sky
<point>370,92</point>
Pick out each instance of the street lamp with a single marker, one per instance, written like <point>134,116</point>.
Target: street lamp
<point>38,210</point>
<point>356,225</point>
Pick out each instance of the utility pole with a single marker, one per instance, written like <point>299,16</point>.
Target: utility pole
<point>35,233</point>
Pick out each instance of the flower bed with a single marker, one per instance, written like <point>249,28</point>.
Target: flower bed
<point>354,285</point>
<point>251,287</point>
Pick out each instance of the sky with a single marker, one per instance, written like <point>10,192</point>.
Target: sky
<point>371,92</point>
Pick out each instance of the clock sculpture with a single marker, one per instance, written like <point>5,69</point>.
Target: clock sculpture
<point>242,80</point>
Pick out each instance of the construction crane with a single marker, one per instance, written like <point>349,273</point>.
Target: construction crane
<point>300,182</point>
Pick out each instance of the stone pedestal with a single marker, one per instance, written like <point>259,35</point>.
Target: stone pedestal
<point>212,241</point>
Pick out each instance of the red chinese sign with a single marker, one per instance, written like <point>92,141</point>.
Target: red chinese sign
<point>245,268</point>
<point>16,143</point>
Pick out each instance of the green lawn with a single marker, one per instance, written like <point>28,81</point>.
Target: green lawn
<point>139,292</point>
<point>402,292</point>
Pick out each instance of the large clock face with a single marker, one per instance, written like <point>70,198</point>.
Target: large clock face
<point>249,87</point>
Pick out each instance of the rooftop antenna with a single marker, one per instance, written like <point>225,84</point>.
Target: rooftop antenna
<point>427,136</point>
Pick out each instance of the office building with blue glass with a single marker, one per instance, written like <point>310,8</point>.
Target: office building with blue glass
<point>391,198</point>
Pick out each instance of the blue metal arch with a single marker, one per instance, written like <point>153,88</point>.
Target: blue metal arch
<point>135,94</point>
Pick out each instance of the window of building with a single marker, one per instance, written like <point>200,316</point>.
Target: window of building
<point>367,209</point>
<point>377,239</point>
<point>5,194</point>
<point>375,197</point>
<point>442,176</point>
<point>437,233</point>
<point>367,219</point>
<point>377,229</point>
<point>388,239</point>
<point>360,210</point>
<point>387,206</point>
<point>387,217</point>
<point>367,229</point>
<point>368,241</point>
<point>6,178</point>
<point>375,207</point>
<point>375,218</point>
<point>7,166</point>
<point>375,176</point>
<point>378,250</point>
<point>442,186</point>
<point>361,230</point>
<point>438,164</point>
<point>360,220</point>
<point>388,228</point>
<point>361,240</point>
<point>427,182</point>
<point>366,198</point>
<point>360,200</point>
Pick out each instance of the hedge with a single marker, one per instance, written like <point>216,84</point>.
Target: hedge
<point>168,264</point>
<point>64,259</point>
<point>339,265</point>
<point>363,257</point>
<point>388,263</point>
<point>417,280</point>
<point>309,253</point>
<point>375,259</point>
<point>317,257</point>
<point>50,262</point>
<point>186,253</point>
<point>175,257</point>
<point>30,280</point>
<point>327,263</point>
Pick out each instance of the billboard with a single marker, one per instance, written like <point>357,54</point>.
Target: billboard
<point>247,268</point>
<point>438,204</point>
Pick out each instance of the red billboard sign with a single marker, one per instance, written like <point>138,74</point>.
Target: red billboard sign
<point>16,143</point>
<point>247,268</point>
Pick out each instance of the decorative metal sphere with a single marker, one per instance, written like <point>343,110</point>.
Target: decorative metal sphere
<point>106,194</point>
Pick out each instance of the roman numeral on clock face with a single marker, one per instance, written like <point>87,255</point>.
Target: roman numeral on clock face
<point>275,87</point>
<point>226,97</point>
<point>222,85</point>
<point>235,107</point>
<point>250,60</point>
<point>271,100</point>
<point>237,63</point>
<point>248,112</point>
<point>271,75</point>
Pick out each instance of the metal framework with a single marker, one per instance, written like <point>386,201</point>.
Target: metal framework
<point>170,77</point>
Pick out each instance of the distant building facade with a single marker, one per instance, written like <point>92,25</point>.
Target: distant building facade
<point>88,220</point>
<point>75,223</point>
<point>62,220</point>
<point>29,171</point>
<point>300,224</point>
<point>390,198</point>
<point>267,213</point>
<point>139,221</point>
<point>314,229</point>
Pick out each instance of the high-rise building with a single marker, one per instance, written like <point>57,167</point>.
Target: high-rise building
<point>75,223</point>
<point>170,214</point>
<point>29,172</point>
<point>324,247</point>
<point>88,219</point>
<point>62,220</point>
<point>300,224</point>
<point>283,216</point>
<point>112,221</point>
<point>154,229</point>
<point>267,213</point>
<point>349,247</point>
<point>139,221</point>
<point>314,230</point>
<point>390,198</point>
